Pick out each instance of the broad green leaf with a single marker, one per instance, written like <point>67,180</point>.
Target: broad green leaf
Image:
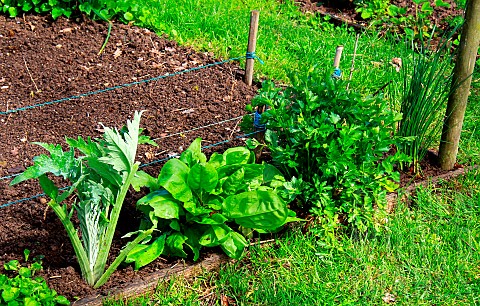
<point>173,177</point>
<point>121,148</point>
<point>13,11</point>
<point>27,6</point>
<point>175,225</point>
<point>216,219</point>
<point>214,202</point>
<point>60,299</point>
<point>366,14</point>
<point>217,160</point>
<point>234,182</point>
<point>253,172</point>
<point>143,179</point>
<point>48,187</point>
<point>256,209</point>
<point>215,235</point>
<point>175,244</point>
<point>193,235</point>
<point>57,12</point>
<point>142,255</point>
<point>193,154</point>
<point>195,209</point>
<point>237,155</point>
<point>12,265</point>
<point>427,8</point>
<point>163,204</point>
<point>25,272</point>
<point>128,16</point>
<point>234,245</point>
<point>30,301</point>
<point>10,293</point>
<point>271,173</point>
<point>441,3</point>
<point>202,177</point>
<point>59,163</point>
<point>271,138</point>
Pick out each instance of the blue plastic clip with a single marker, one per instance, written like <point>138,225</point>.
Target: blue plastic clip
<point>337,73</point>
<point>256,121</point>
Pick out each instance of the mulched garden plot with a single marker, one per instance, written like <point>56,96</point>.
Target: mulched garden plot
<point>44,60</point>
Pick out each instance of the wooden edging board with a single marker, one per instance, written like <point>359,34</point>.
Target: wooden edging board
<point>149,283</point>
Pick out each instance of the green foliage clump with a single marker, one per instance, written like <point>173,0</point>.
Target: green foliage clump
<point>24,288</point>
<point>383,13</point>
<point>104,9</point>
<point>193,200</point>
<point>335,144</point>
<point>427,83</point>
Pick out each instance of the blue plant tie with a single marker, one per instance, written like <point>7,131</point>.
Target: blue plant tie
<point>337,73</point>
<point>256,121</point>
<point>252,55</point>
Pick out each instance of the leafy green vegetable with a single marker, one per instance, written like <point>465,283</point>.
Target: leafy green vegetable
<point>332,144</point>
<point>24,289</point>
<point>100,180</point>
<point>196,200</point>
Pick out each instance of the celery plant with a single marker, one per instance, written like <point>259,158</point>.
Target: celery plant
<point>100,179</point>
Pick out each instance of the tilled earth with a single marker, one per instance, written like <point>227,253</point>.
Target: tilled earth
<point>44,61</point>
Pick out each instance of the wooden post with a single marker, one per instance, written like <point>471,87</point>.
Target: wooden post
<point>338,56</point>
<point>457,101</point>
<point>252,43</point>
<point>337,73</point>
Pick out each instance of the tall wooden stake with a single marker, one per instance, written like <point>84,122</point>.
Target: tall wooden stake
<point>457,102</point>
<point>338,56</point>
<point>252,43</point>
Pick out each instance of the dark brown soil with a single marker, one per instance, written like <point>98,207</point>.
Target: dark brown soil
<point>43,60</point>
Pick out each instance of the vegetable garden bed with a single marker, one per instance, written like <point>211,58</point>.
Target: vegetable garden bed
<point>42,61</point>
<point>46,61</point>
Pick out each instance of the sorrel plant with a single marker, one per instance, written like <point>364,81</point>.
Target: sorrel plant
<point>198,203</point>
<point>100,179</point>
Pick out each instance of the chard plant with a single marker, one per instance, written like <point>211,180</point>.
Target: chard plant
<point>194,203</point>
<point>101,176</point>
<point>335,144</point>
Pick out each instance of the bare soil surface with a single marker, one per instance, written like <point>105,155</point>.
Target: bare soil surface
<point>44,60</point>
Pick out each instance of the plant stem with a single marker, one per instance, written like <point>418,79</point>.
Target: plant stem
<point>120,258</point>
<point>76,243</point>
<point>106,242</point>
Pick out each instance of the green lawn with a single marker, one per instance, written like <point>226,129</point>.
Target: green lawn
<point>431,253</point>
